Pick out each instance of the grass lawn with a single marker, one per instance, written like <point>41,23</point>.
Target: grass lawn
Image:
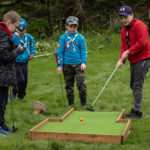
<point>44,85</point>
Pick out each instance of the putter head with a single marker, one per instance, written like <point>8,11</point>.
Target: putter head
<point>14,129</point>
<point>90,109</point>
<point>65,106</point>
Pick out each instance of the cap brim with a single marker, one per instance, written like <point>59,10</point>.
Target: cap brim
<point>21,28</point>
<point>123,14</point>
<point>73,23</point>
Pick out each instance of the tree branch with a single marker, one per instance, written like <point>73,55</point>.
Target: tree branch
<point>9,3</point>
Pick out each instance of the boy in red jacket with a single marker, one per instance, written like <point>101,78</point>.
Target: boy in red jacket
<point>135,46</point>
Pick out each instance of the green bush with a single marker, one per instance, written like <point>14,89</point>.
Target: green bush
<point>38,28</point>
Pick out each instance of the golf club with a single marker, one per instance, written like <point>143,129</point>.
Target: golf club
<point>62,91</point>
<point>91,107</point>
<point>12,112</point>
<point>56,55</point>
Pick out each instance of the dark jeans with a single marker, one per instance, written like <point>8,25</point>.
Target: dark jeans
<point>72,72</point>
<point>138,72</point>
<point>3,103</point>
<point>22,80</point>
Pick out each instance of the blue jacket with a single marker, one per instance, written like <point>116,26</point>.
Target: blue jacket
<point>26,41</point>
<point>71,52</point>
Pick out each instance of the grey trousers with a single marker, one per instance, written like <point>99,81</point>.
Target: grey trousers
<point>138,72</point>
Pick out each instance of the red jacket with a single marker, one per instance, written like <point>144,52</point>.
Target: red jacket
<point>138,41</point>
<point>4,27</point>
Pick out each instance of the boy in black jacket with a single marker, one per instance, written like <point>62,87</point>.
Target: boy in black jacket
<point>7,64</point>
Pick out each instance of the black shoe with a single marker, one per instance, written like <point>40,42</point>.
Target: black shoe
<point>20,97</point>
<point>71,105</point>
<point>84,106</point>
<point>134,114</point>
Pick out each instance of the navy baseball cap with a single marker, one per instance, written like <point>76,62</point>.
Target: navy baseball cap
<point>125,11</point>
<point>22,25</point>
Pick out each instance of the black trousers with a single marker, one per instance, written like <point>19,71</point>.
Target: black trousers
<point>3,103</point>
<point>22,80</point>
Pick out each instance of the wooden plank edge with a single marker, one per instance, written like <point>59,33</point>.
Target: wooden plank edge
<point>53,120</point>
<point>120,116</point>
<point>44,122</point>
<point>34,129</point>
<point>66,114</point>
<point>89,138</point>
<point>126,131</point>
<point>39,125</point>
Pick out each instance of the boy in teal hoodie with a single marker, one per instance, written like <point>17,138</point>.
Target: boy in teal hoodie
<point>72,58</point>
<point>28,43</point>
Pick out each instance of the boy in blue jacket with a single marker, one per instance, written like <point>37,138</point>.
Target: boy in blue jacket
<point>72,58</point>
<point>28,43</point>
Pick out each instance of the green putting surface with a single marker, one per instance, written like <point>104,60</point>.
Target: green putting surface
<point>93,123</point>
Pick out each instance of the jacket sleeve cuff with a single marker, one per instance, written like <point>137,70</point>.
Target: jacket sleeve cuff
<point>130,51</point>
<point>60,65</point>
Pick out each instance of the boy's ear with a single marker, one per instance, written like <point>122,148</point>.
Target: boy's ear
<point>8,22</point>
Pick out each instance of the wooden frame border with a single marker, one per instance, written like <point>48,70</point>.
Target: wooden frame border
<point>34,134</point>
<point>67,114</point>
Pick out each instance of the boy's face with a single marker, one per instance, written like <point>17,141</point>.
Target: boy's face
<point>21,33</point>
<point>126,20</point>
<point>71,28</point>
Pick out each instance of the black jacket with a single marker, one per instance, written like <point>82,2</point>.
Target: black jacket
<point>7,60</point>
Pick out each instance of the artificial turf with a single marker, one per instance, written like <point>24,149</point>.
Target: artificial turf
<point>93,123</point>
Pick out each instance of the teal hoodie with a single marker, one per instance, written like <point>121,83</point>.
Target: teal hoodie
<point>25,41</point>
<point>71,49</point>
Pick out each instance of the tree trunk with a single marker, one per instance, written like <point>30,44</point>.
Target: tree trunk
<point>49,18</point>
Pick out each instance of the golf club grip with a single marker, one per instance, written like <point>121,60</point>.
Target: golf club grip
<point>104,87</point>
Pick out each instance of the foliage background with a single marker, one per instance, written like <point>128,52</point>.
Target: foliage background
<point>47,17</point>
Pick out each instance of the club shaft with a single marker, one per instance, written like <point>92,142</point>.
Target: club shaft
<point>44,55</point>
<point>104,87</point>
<point>12,112</point>
<point>62,89</point>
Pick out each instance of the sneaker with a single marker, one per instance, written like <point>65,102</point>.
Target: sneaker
<point>3,132</point>
<point>6,128</point>
<point>134,114</point>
